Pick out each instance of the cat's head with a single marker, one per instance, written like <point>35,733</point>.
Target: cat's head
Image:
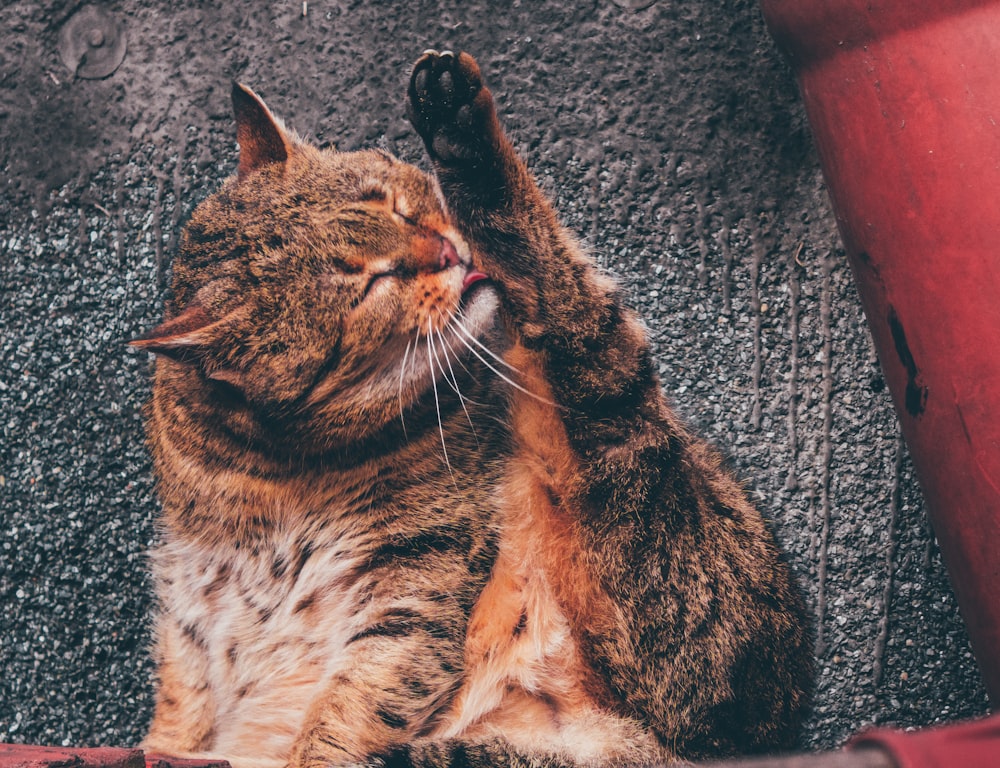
<point>318,290</point>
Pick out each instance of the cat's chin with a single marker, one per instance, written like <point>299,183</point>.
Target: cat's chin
<point>466,335</point>
<point>418,366</point>
<point>479,306</point>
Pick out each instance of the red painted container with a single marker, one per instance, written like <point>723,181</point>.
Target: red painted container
<point>974,744</point>
<point>904,102</point>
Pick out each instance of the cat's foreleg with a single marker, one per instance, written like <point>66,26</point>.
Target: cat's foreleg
<point>185,707</point>
<point>403,670</point>
<point>578,344</point>
<point>555,301</point>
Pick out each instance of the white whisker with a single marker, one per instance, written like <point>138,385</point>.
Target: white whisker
<point>413,358</point>
<point>451,349</point>
<point>437,359</point>
<point>437,402</point>
<point>452,355</point>
<point>454,383</point>
<point>502,375</point>
<point>457,322</point>
<point>461,362</point>
<point>402,371</point>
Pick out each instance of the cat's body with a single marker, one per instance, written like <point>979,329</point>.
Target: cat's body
<point>361,564</point>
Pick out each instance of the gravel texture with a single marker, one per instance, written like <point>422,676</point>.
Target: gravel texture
<point>672,140</point>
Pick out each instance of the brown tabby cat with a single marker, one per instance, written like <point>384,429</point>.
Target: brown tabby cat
<point>424,502</point>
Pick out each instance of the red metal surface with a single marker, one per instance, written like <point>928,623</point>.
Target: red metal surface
<point>30,756</point>
<point>155,760</point>
<point>968,745</point>
<point>27,756</point>
<point>904,102</point>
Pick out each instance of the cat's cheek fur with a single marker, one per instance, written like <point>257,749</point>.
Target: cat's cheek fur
<point>479,310</point>
<point>411,360</point>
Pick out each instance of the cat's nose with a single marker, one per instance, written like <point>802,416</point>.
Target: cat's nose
<point>448,256</point>
<point>433,252</point>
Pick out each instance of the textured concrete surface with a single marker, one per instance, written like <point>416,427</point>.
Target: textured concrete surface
<point>672,140</point>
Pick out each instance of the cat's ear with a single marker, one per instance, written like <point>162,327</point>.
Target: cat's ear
<point>261,137</point>
<point>183,337</point>
<point>188,338</point>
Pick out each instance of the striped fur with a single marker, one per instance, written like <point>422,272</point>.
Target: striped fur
<point>416,518</point>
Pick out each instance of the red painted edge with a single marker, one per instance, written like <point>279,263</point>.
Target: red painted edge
<point>974,744</point>
<point>156,760</point>
<point>32,756</point>
<point>810,31</point>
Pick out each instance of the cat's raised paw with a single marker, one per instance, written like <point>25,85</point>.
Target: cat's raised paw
<point>451,109</point>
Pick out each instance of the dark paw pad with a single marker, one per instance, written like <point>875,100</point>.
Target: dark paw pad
<point>450,108</point>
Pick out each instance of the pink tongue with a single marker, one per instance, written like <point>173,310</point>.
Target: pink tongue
<point>472,276</point>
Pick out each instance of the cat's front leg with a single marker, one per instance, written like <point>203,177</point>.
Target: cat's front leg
<point>488,190</point>
<point>555,300</point>
<point>402,672</point>
<point>184,718</point>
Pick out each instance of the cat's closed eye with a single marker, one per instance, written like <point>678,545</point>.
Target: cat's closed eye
<point>404,218</point>
<point>389,200</point>
<point>380,279</point>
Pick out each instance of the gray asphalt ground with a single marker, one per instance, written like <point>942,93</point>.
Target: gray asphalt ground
<point>672,140</point>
